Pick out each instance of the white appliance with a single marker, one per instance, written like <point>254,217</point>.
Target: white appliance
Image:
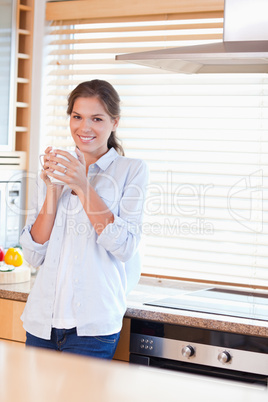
<point>12,197</point>
<point>7,73</point>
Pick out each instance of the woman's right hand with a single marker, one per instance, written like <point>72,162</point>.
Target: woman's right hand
<point>45,177</point>
<point>43,174</point>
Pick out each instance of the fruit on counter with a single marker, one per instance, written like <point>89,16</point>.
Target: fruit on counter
<point>14,256</point>
<point>2,253</point>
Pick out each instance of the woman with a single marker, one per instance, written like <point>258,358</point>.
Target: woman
<point>84,234</point>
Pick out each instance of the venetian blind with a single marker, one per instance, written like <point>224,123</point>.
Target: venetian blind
<point>204,139</point>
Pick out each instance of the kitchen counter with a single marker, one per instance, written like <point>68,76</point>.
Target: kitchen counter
<point>17,291</point>
<point>30,375</point>
<point>152,288</point>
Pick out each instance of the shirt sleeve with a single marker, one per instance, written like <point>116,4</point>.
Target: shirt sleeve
<point>34,253</point>
<point>121,238</point>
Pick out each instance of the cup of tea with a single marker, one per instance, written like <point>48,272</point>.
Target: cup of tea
<point>53,179</point>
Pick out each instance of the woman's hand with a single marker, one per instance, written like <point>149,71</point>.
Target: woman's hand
<point>73,170</point>
<point>74,175</point>
<point>55,188</point>
<point>43,226</point>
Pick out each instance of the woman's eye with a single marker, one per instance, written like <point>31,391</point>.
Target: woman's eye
<point>97,119</point>
<point>76,117</point>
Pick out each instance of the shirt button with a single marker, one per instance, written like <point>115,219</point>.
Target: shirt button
<point>78,304</point>
<point>76,280</point>
<point>75,257</point>
<point>92,166</point>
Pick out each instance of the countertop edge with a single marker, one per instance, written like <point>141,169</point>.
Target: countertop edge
<point>201,321</point>
<point>15,296</point>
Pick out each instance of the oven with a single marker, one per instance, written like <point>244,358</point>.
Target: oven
<point>202,351</point>
<point>218,354</point>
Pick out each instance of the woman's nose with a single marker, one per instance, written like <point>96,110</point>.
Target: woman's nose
<point>86,125</point>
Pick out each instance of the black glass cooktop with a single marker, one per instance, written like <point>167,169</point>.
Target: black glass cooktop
<point>219,301</point>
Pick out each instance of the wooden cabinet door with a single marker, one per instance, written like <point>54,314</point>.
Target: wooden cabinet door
<point>10,322</point>
<point>122,350</point>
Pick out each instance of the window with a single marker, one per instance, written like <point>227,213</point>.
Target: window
<point>203,137</point>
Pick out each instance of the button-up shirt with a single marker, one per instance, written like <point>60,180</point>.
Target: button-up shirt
<point>101,268</point>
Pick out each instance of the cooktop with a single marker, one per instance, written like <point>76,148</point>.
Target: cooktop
<point>226,302</point>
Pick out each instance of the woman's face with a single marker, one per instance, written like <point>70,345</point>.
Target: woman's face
<point>91,127</point>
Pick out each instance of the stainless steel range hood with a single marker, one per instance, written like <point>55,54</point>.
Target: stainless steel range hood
<point>244,48</point>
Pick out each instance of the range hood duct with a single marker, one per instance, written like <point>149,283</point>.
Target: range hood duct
<point>244,48</point>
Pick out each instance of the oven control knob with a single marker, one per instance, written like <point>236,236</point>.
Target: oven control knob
<point>188,351</point>
<point>224,357</point>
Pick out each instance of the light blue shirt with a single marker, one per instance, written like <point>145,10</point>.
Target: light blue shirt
<point>103,268</point>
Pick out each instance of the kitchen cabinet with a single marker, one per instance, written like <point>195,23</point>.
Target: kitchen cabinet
<point>10,324</point>
<point>122,351</point>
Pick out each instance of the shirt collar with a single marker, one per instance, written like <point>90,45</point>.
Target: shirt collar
<point>107,159</point>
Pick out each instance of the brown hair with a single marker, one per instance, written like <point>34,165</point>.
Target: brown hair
<point>109,98</point>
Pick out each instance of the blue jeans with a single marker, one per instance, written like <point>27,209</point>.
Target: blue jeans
<point>67,340</point>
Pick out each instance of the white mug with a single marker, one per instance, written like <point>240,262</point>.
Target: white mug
<point>53,179</point>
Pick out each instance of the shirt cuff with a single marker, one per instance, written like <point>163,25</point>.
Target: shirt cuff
<point>27,241</point>
<point>114,234</point>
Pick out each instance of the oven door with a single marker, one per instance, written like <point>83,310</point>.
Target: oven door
<point>200,351</point>
<point>197,369</point>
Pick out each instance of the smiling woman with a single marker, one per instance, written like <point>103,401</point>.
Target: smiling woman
<point>78,300</point>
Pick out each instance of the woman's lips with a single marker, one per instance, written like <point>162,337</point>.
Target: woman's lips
<point>86,138</point>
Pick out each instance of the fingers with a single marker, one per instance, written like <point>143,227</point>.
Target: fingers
<point>45,177</point>
<point>60,160</point>
<point>50,184</point>
<point>49,161</point>
<point>46,157</point>
<point>48,149</point>
<point>57,164</point>
<point>68,167</point>
<point>57,168</point>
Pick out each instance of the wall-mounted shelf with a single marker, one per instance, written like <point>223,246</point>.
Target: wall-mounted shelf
<point>22,80</point>
<point>21,129</point>
<point>24,32</point>
<point>24,50</point>
<point>23,56</point>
